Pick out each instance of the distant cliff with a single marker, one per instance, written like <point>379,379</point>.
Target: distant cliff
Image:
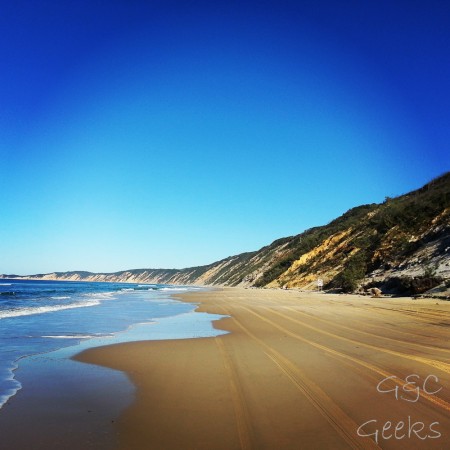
<point>401,246</point>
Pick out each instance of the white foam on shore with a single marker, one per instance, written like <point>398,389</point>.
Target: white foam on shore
<point>174,289</point>
<point>45,309</point>
<point>12,391</point>
<point>60,298</point>
<point>77,336</point>
<point>100,295</point>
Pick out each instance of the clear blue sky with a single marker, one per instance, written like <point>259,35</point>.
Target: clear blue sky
<point>172,133</point>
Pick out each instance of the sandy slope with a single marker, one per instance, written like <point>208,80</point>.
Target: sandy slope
<point>297,371</point>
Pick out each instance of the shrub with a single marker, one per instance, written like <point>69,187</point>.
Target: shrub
<point>347,281</point>
<point>353,273</point>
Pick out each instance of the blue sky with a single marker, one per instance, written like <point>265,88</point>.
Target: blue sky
<point>172,134</point>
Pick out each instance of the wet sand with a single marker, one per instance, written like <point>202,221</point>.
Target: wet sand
<point>297,371</point>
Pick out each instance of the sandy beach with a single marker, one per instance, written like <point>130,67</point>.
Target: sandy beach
<point>297,371</point>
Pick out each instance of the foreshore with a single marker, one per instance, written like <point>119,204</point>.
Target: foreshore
<point>296,371</point>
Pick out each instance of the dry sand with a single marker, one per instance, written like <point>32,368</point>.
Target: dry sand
<point>297,371</point>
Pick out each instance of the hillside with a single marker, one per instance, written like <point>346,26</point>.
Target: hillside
<point>401,246</point>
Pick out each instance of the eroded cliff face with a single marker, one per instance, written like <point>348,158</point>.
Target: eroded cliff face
<point>405,237</point>
<point>328,259</point>
<point>320,262</point>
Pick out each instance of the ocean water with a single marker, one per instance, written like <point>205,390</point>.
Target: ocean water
<point>63,318</point>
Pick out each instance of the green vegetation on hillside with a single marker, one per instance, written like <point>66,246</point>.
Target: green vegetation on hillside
<point>398,222</point>
<point>311,238</point>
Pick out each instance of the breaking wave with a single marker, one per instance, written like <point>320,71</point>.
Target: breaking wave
<point>5,314</point>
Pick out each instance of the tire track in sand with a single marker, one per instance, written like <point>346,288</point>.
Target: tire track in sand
<point>431,398</point>
<point>239,403</point>
<point>442,366</point>
<point>335,416</point>
<point>367,333</point>
<point>419,315</point>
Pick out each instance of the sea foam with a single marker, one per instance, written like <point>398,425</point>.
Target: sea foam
<point>45,309</point>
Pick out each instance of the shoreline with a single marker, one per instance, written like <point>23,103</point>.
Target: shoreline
<point>297,370</point>
<point>67,404</point>
<point>431,296</point>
